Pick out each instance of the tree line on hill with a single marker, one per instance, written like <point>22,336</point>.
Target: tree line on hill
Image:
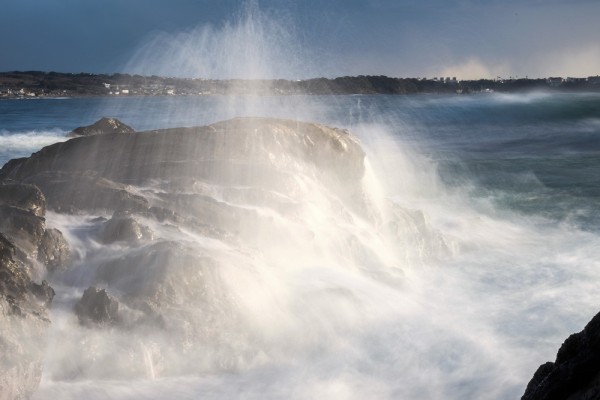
<point>38,83</point>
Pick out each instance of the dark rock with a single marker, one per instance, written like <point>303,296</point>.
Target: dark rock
<point>97,307</point>
<point>123,229</point>
<point>102,126</point>
<point>23,228</point>
<point>205,152</point>
<point>29,233</point>
<point>23,302</point>
<point>27,197</point>
<point>575,375</point>
<point>15,163</point>
<point>78,192</point>
<point>23,324</point>
<point>94,173</point>
<point>54,251</point>
<point>14,278</point>
<point>43,292</point>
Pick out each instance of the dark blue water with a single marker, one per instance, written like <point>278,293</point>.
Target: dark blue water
<point>537,154</point>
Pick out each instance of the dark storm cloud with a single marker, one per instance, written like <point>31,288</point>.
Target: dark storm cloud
<point>92,35</point>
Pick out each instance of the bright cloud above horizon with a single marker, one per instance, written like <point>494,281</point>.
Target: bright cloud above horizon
<point>404,38</point>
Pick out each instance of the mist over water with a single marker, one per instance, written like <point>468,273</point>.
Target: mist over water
<point>253,44</point>
<point>469,255</point>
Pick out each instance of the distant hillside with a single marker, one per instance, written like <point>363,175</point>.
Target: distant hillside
<point>40,84</point>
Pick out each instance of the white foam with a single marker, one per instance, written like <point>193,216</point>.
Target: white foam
<point>20,144</point>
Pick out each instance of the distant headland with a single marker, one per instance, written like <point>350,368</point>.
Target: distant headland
<point>31,84</point>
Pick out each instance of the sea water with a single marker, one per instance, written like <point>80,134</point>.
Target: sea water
<point>512,181</point>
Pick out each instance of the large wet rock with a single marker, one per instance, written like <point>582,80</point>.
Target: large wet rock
<point>575,374</point>
<point>123,228</point>
<point>190,220</point>
<point>96,173</point>
<point>102,126</point>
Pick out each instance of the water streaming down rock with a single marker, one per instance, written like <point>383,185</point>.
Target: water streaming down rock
<point>196,247</point>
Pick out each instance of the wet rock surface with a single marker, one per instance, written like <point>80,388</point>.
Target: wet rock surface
<point>53,250</point>
<point>102,126</point>
<point>171,219</point>
<point>167,177</point>
<point>24,319</point>
<point>123,228</point>
<point>575,374</point>
<point>26,197</point>
<point>184,155</point>
<point>97,307</point>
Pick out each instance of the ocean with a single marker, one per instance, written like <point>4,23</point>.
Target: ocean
<point>510,181</point>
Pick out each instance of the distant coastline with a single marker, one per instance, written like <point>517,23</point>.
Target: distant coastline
<point>38,84</point>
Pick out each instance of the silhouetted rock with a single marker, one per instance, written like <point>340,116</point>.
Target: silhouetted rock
<point>575,375</point>
<point>103,125</point>
<point>97,307</point>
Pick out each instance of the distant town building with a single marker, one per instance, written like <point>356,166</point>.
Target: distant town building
<point>593,79</point>
<point>554,81</point>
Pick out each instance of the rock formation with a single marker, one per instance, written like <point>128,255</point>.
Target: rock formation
<point>170,216</point>
<point>97,307</point>
<point>103,125</point>
<point>575,375</point>
<point>25,242</point>
<point>157,177</point>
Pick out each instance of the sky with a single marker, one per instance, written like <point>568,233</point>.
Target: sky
<point>302,39</point>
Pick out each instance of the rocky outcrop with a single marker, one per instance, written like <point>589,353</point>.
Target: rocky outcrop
<point>22,210</point>
<point>97,308</point>
<point>165,177</point>
<point>199,152</point>
<point>26,197</point>
<point>123,228</point>
<point>53,250</point>
<point>575,375</point>
<point>173,222</point>
<point>234,152</point>
<point>103,125</point>
<point>24,241</point>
